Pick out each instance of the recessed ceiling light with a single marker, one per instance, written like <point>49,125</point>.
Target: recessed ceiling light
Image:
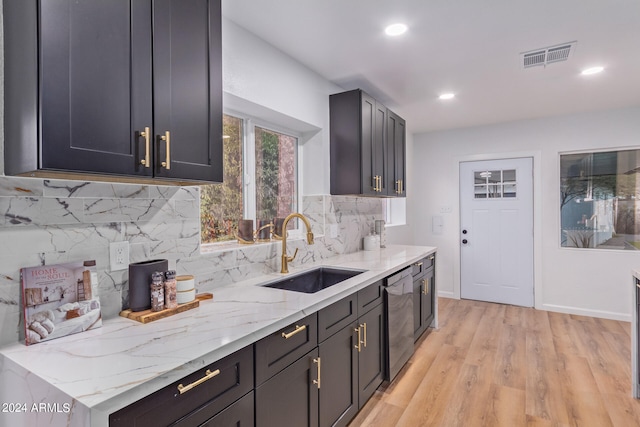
<point>592,70</point>
<point>395,29</point>
<point>447,96</point>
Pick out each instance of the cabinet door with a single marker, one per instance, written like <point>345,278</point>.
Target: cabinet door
<point>428,299</point>
<point>95,84</point>
<point>371,357</point>
<point>339,386</point>
<point>290,398</point>
<point>187,77</point>
<point>396,157</point>
<point>373,121</point>
<point>418,301</point>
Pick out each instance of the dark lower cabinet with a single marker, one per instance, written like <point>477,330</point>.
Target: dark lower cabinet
<point>316,372</point>
<point>290,398</point>
<point>339,386</point>
<point>194,399</point>
<point>352,358</point>
<point>371,357</point>
<point>423,300</point>
<point>240,414</point>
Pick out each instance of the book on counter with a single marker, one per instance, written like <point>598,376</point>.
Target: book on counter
<point>60,300</point>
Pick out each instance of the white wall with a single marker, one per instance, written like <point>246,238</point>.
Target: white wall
<point>589,282</point>
<point>260,79</point>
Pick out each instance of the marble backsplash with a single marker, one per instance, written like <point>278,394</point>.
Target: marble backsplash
<point>52,221</point>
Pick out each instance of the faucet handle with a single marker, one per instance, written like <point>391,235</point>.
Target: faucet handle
<point>291,258</point>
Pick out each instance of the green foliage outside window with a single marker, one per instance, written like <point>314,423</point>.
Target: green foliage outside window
<point>221,205</point>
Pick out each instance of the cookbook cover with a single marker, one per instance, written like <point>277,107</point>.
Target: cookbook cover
<point>60,300</point>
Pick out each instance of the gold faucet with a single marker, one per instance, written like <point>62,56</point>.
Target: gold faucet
<point>287,259</point>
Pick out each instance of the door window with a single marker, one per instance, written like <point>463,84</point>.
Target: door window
<point>494,184</point>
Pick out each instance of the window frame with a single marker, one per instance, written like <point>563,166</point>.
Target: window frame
<point>560,176</point>
<point>249,123</point>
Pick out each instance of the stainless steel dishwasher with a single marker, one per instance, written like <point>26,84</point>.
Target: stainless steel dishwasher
<point>398,297</point>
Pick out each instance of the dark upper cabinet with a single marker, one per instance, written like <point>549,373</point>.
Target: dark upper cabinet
<point>122,87</point>
<point>367,146</point>
<point>396,155</point>
<point>358,137</point>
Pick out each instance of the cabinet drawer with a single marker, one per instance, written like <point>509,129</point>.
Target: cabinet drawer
<point>335,317</point>
<point>282,348</point>
<point>423,265</point>
<point>233,378</point>
<point>369,297</point>
<point>240,414</point>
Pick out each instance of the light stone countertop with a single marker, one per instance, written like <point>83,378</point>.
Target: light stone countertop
<point>80,379</point>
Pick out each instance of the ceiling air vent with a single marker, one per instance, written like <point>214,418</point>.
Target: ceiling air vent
<point>547,55</point>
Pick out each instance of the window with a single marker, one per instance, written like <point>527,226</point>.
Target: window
<point>260,180</point>
<point>599,200</point>
<point>497,184</point>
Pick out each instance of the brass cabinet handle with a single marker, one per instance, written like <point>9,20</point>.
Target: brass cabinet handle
<point>208,375</point>
<point>297,330</point>
<point>364,326</point>
<point>318,361</point>
<point>425,290</point>
<point>399,186</point>
<point>377,186</point>
<point>145,134</point>
<point>358,346</point>
<point>418,264</point>
<point>432,257</point>
<point>167,139</point>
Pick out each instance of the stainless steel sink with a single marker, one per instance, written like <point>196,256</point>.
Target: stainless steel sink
<point>315,280</point>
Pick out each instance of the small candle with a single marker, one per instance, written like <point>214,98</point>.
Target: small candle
<point>264,230</point>
<point>277,230</point>
<point>245,231</point>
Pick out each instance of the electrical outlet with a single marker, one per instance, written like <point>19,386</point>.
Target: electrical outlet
<point>119,255</point>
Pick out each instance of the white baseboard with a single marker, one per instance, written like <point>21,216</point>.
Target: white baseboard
<point>623,317</point>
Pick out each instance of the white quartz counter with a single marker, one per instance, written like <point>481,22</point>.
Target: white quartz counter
<point>80,379</point>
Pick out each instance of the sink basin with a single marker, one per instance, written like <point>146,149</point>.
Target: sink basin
<point>313,281</point>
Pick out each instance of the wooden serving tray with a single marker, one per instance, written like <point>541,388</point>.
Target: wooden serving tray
<point>147,316</point>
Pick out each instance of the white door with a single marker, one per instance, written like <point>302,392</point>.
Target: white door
<point>496,235</point>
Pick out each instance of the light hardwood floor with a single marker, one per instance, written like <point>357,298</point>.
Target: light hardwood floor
<point>499,365</point>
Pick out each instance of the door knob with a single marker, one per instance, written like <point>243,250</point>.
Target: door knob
<point>465,241</point>
<point>464,231</point>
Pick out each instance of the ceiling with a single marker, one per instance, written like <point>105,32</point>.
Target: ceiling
<point>471,48</point>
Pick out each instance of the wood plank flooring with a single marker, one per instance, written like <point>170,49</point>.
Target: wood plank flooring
<point>499,365</point>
